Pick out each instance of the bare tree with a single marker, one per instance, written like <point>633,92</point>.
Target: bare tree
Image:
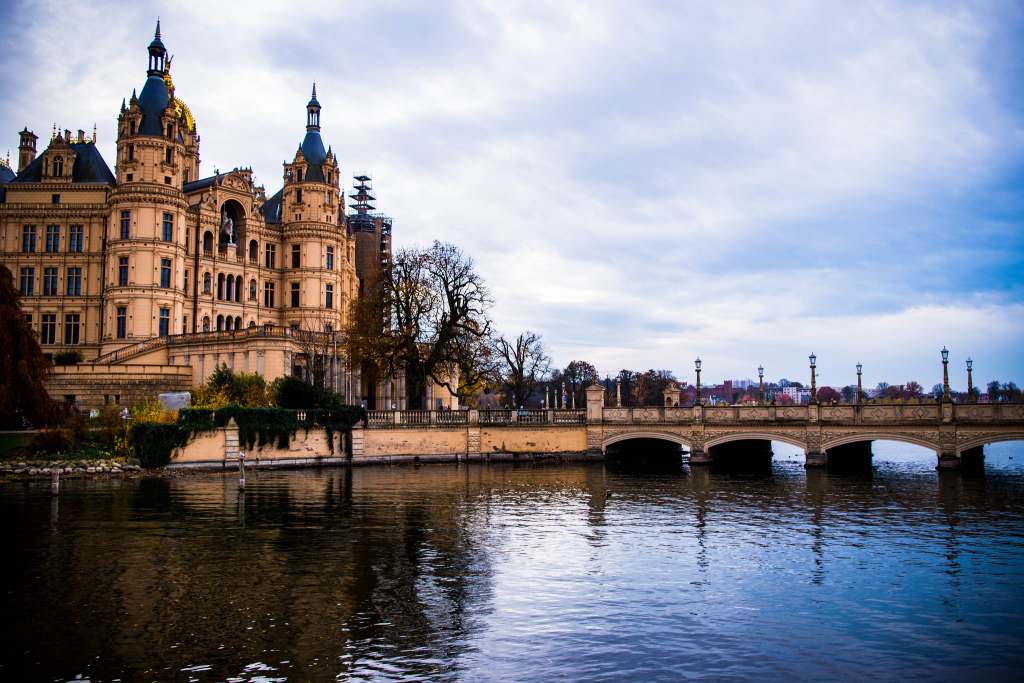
<point>524,363</point>
<point>432,311</point>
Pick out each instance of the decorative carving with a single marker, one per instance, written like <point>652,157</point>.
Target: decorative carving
<point>646,415</point>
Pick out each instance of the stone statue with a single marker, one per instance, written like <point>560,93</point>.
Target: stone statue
<point>227,229</point>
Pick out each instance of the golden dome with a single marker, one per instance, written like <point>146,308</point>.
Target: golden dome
<point>179,106</point>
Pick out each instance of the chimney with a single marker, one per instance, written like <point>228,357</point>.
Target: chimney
<point>26,148</point>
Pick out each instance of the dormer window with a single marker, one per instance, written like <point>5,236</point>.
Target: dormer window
<point>299,175</point>
<point>170,130</point>
<point>58,166</point>
<point>289,175</point>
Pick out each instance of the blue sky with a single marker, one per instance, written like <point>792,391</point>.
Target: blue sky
<point>639,182</point>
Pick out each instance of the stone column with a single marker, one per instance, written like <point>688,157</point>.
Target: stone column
<point>473,436</point>
<point>595,403</point>
<point>358,443</point>
<point>231,440</point>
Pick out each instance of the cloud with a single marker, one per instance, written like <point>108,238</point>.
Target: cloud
<point>640,183</point>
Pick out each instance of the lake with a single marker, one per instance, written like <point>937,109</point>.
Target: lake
<point>522,572</point>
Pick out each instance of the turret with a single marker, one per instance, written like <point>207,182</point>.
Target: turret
<point>26,148</point>
<point>157,54</point>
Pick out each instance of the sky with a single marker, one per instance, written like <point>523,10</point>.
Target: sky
<point>641,183</point>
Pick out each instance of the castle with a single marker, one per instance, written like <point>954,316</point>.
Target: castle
<point>157,275</point>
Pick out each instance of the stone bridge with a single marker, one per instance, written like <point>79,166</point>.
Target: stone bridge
<point>828,434</point>
<point>953,431</point>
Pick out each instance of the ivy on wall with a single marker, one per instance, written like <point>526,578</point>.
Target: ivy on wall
<point>154,443</point>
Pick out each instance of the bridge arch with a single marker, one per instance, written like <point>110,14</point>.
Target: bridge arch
<point>754,436</point>
<point>987,439</point>
<point>916,440</point>
<point>628,436</point>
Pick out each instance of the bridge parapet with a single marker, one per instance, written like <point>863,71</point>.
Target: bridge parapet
<point>388,419</point>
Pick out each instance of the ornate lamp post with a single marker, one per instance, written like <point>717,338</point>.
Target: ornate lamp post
<point>814,381</point>
<point>696,364</point>
<point>945,375</point>
<point>760,384</point>
<point>860,393</point>
<point>970,380</point>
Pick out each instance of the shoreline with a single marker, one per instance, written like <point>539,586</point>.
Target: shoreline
<point>36,470</point>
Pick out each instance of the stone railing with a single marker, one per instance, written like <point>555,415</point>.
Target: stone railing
<point>383,419</point>
<point>869,413</point>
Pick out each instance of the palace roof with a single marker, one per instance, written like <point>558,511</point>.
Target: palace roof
<point>89,167</point>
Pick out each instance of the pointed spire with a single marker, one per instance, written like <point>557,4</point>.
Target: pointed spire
<point>123,106</point>
<point>157,34</point>
<point>314,90</point>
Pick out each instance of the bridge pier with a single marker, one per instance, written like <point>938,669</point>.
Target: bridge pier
<point>968,461</point>
<point>815,459</point>
<point>699,457</point>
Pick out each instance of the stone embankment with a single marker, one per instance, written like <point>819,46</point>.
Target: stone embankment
<point>44,469</point>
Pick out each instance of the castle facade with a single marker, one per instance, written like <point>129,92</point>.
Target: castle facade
<point>156,274</point>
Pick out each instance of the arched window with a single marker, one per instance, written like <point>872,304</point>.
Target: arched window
<point>208,243</point>
<point>238,323</point>
<point>220,323</point>
<point>238,288</point>
<point>229,323</point>
<point>207,283</point>
<point>254,252</point>
<point>206,323</point>
<point>220,285</point>
<point>252,323</point>
<point>252,290</point>
<point>298,175</point>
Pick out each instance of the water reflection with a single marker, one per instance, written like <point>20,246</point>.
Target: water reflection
<point>518,572</point>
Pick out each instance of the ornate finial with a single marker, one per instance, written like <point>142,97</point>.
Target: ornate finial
<point>157,35</point>
<point>94,133</point>
<point>314,90</point>
<point>167,64</point>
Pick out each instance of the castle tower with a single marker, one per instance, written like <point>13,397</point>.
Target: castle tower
<point>147,233</point>
<point>26,148</point>
<point>319,271</point>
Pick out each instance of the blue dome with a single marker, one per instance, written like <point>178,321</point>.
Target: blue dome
<point>153,101</point>
<point>313,148</point>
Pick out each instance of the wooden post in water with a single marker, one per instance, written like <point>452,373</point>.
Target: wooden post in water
<point>55,482</point>
<point>241,470</point>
